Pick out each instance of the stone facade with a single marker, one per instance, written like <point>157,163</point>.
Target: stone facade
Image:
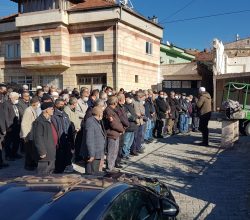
<point>128,56</point>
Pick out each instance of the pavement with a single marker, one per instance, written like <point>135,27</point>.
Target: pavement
<point>207,182</point>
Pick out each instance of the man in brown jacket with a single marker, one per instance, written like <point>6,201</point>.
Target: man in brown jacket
<point>205,105</point>
<point>114,129</point>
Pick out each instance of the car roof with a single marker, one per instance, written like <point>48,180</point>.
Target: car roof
<point>48,197</point>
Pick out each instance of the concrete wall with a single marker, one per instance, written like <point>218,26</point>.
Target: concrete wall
<point>238,65</point>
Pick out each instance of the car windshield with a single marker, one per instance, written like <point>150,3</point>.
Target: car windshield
<point>37,202</point>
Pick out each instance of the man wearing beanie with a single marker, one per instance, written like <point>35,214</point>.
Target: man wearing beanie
<point>45,139</point>
<point>205,105</point>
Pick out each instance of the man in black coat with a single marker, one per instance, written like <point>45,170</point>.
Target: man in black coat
<point>45,139</point>
<point>2,134</point>
<point>162,109</point>
<point>13,127</point>
<point>65,133</point>
<point>95,141</point>
<point>3,93</point>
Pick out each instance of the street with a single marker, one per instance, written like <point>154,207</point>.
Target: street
<point>207,182</point>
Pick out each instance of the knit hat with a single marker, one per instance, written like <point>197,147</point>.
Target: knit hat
<point>128,95</point>
<point>47,105</point>
<point>46,97</point>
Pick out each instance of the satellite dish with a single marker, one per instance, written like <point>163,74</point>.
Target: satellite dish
<point>127,4</point>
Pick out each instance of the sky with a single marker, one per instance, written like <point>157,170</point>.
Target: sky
<point>195,34</point>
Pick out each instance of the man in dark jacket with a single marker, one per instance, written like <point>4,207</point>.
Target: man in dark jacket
<point>45,139</point>
<point>174,114</point>
<point>2,134</point>
<point>65,133</point>
<point>13,127</point>
<point>24,102</point>
<point>205,105</point>
<point>120,111</point>
<point>162,109</point>
<point>3,93</point>
<point>95,141</point>
<point>183,114</point>
<point>129,134</point>
<point>114,129</point>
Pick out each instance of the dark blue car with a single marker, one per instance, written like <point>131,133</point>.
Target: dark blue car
<point>64,197</point>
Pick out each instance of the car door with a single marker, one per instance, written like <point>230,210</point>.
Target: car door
<point>134,204</point>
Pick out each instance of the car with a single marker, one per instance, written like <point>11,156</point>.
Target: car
<point>117,196</point>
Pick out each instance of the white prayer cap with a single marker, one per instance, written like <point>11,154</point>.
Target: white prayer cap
<point>202,89</point>
<point>25,87</point>
<point>54,94</point>
<point>39,87</point>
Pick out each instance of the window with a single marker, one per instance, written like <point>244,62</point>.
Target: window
<point>47,44</point>
<point>149,48</point>
<point>99,43</point>
<point>22,80</point>
<point>36,45</point>
<point>18,52</point>
<point>138,203</point>
<point>136,78</point>
<point>87,45</point>
<point>51,80</point>
<point>10,50</point>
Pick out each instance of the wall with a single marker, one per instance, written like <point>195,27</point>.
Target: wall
<point>238,65</point>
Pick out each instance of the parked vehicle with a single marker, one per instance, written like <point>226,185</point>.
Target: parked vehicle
<point>237,104</point>
<point>111,197</point>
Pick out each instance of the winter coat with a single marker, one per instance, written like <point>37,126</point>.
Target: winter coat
<point>162,107</point>
<point>2,120</point>
<point>73,117</point>
<point>174,108</point>
<point>139,110</point>
<point>22,107</point>
<point>183,105</point>
<point>132,117</point>
<point>114,128</point>
<point>43,138</point>
<point>11,120</point>
<point>122,115</point>
<point>205,103</point>
<point>95,138</point>
<point>81,108</point>
<point>149,108</point>
<point>28,118</point>
<point>195,110</point>
<point>64,127</point>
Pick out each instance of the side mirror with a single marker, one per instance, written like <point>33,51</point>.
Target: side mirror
<point>169,208</point>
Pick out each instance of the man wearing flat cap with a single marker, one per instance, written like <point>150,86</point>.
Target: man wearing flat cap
<point>205,105</point>
<point>45,139</point>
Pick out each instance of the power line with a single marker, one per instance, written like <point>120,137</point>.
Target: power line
<point>206,16</point>
<point>179,10</point>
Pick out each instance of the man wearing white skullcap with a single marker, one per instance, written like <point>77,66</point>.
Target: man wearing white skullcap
<point>205,105</point>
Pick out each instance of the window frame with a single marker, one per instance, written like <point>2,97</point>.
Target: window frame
<point>34,45</point>
<point>149,48</point>
<point>45,46</point>
<point>84,44</point>
<point>103,46</point>
<point>10,51</point>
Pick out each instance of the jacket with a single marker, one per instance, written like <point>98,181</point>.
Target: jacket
<point>2,120</point>
<point>64,127</point>
<point>43,138</point>
<point>73,117</point>
<point>114,127</point>
<point>81,108</point>
<point>162,107</point>
<point>132,117</point>
<point>11,120</point>
<point>140,111</point>
<point>95,138</point>
<point>149,108</point>
<point>122,115</point>
<point>22,107</point>
<point>183,105</point>
<point>174,108</point>
<point>28,118</point>
<point>205,103</point>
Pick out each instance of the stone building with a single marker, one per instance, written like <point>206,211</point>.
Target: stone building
<point>72,43</point>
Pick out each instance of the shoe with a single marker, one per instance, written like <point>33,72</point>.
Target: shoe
<point>203,144</point>
<point>10,158</point>
<point>18,156</point>
<point>126,158</point>
<point>69,169</point>
<point>141,151</point>
<point>119,166</point>
<point>3,165</point>
<point>160,136</point>
<point>134,154</point>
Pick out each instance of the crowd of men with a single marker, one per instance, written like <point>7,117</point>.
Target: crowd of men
<point>98,129</point>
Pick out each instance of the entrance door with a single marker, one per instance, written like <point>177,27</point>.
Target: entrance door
<point>92,81</point>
